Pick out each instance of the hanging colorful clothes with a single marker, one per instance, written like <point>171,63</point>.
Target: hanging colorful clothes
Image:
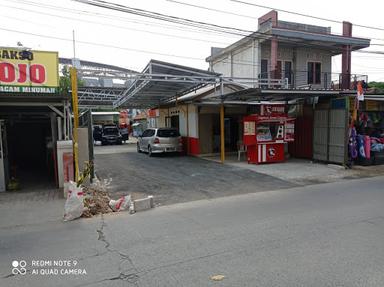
<point>360,146</point>
<point>352,146</point>
<point>367,147</point>
<point>363,118</point>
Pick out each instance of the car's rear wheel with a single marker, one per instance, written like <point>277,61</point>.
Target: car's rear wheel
<point>138,148</point>
<point>150,151</point>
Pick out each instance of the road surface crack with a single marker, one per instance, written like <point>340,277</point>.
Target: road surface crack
<point>100,231</point>
<point>131,278</point>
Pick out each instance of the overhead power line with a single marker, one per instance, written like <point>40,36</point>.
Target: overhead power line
<point>187,22</point>
<point>242,15</point>
<point>305,15</point>
<point>149,52</point>
<point>212,9</point>
<point>101,44</point>
<point>164,17</point>
<point>110,25</point>
<point>147,23</point>
<point>99,14</point>
<point>371,52</point>
<point>245,32</point>
<point>105,16</point>
<point>247,63</point>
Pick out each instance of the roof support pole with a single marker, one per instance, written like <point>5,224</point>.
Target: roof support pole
<point>222,133</point>
<point>73,74</point>
<point>56,110</point>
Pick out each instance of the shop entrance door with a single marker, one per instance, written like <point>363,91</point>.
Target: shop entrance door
<point>329,135</point>
<point>175,122</point>
<point>338,123</point>
<point>320,135</point>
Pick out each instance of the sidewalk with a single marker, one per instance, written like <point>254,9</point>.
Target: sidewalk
<point>302,171</point>
<point>22,208</point>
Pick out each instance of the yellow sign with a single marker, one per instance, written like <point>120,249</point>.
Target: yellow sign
<point>28,71</point>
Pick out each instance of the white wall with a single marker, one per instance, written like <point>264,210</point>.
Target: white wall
<point>181,111</point>
<point>283,53</point>
<point>243,62</point>
<point>305,55</point>
<point>222,66</point>
<point>193,119</point>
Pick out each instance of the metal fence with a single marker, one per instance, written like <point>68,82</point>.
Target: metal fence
<point>310,80</point>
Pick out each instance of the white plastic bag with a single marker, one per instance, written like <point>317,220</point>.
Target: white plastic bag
<point>74,206</point>
<point>123,203</point>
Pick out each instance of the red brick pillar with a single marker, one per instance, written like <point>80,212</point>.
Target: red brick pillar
<point>346,58</point>
<point>274,58</point>
<point>272,16</point>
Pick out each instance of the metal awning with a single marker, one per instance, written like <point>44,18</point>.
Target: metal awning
<point>372,97</point>
<point>256,95</point>
<point>160,82</point>
<point>331,42</point>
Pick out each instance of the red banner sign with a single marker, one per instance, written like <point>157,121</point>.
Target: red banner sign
<point>272,110</point>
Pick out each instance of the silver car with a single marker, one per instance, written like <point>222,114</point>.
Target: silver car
<point>160,140</point>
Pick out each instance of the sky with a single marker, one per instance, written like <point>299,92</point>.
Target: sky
<point>130,41</point>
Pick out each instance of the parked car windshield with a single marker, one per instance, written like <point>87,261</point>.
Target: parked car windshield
<point>168,133</point>
<point>111,131</point>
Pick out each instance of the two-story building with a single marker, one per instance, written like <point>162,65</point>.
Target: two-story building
<point>282,62</point>
<point>299,55</point>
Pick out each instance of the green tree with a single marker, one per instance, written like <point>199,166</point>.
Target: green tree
<point>377,85</point>
<point>65,81</point>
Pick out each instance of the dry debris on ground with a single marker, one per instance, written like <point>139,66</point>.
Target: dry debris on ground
<point>96,198</point>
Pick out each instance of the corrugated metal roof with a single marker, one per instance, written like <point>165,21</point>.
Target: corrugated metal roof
<point>161,81</point>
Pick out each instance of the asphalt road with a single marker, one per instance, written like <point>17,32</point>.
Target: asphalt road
<point>174,179</point>
<point>321,235</point>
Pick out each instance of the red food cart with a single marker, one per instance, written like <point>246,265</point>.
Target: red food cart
<point>266,133</point>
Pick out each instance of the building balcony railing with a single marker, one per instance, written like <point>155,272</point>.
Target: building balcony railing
<point>309,80</point>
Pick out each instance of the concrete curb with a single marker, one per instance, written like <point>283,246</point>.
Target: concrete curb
<point>142,204</point>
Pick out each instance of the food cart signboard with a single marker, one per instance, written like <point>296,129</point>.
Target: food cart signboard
<point>272,110</point>
<point>249,128</point>
<point>289,130</point>
<point>28,71</point>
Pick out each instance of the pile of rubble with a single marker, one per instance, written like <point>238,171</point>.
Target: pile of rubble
<point>96,201</point>
<point>87,201</point>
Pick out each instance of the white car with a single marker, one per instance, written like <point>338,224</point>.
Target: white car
<point>160,140</point>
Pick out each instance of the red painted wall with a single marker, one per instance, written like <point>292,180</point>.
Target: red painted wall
<point>194,146</point>
<point>302,147</point>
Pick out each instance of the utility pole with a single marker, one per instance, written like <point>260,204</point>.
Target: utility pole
<point>75,107</point>
<point>74,44</point>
